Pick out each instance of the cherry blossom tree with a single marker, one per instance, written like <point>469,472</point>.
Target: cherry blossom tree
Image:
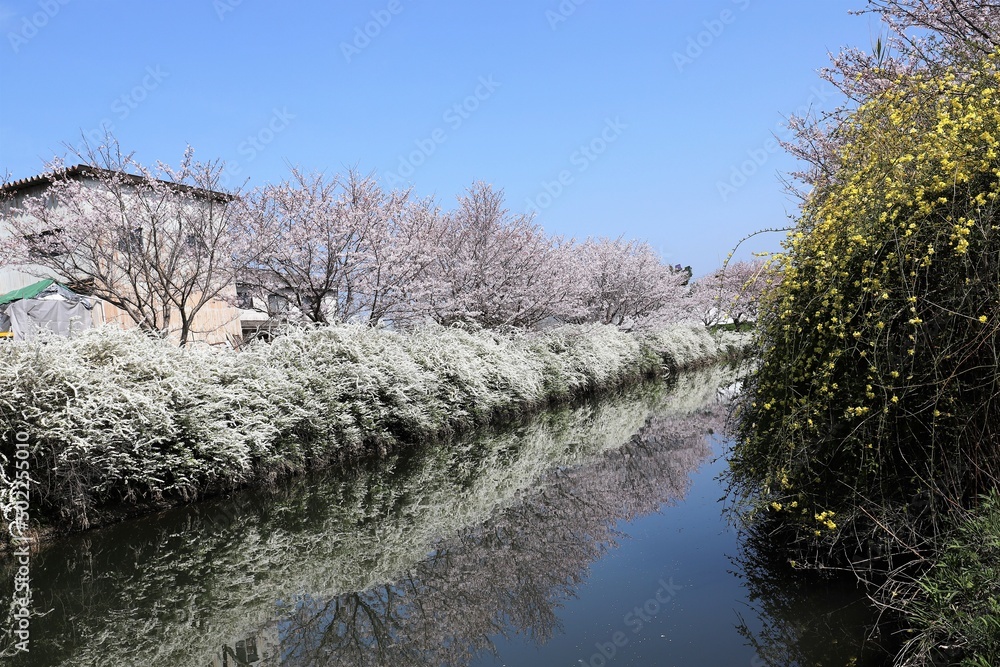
<point>706,299</point>
<point>935,31</point>
<point>733,291</point>
<point>162,243</point>
<point>495,268</point>
<point>398,261</point>
<point>158,243</point>
<point>625,282</point>
<point>339,248</point>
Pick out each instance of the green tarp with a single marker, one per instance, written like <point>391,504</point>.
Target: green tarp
<point>45,306</point>
<point>29,292</point>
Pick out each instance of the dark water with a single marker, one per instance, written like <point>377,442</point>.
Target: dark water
<point>588,536</point>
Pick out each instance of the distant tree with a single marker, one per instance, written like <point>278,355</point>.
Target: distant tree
<point>625,282</point>
<point>158,243</point>
<point>324,235</point>
<point>339,248</point>
<point>922,35</point>
<point>706,300</point>
<point>733,292</point>
<point>399,260</point>
<point>495,268</point>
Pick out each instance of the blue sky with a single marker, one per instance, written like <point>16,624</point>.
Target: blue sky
<point>625,118</point>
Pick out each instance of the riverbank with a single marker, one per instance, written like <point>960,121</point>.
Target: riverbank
<point>436,546</point>
<point>118,424</point>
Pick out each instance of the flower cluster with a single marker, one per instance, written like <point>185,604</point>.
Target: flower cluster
<point>880,340</point>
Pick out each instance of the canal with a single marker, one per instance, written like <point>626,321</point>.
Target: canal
<point>587,535</point>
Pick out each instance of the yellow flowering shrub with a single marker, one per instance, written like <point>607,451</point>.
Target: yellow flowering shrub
<point>877,388</point>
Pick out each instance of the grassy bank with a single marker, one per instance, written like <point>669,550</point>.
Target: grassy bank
<point>116,422</point>
<point>952,605</point>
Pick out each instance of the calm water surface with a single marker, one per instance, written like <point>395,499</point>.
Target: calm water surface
<point>590,535</point>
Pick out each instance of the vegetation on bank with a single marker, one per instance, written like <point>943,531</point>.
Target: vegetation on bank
<point>501,510</point>
<point>871,406</point>
<point>954,607</point>
<point>869,429</point>
<point>119,419</point>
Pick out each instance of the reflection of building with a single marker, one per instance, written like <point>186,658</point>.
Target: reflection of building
<point>219,321</point>
<point>262,649</point>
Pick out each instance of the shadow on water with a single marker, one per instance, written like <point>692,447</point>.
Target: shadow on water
<point>430,557</point>
<point>787,628</point>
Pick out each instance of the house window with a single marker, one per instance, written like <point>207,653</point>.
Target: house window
<point>45,243</point>
<point>243,653</point>
<point>276,304</point>
<point>246,651</point>
<point>130,240</point>
<point>195,242</point>
<point>244,297</point>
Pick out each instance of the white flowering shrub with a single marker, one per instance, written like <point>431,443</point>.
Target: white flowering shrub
<point>588,357</point>
<point>116,416</point>
<point>687,345</point>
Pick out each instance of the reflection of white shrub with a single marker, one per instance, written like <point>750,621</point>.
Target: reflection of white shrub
<point>216,581</point>
<point>115,415</point>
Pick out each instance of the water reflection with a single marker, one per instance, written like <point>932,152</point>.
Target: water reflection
<point>414,560</point>
<point>790,629</point>
<point>505,576</point>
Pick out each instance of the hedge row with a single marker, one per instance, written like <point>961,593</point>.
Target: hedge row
<point>117,419</point>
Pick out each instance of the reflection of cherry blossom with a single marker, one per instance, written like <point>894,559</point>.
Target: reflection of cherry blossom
<point>510,574</point>
<point>510,520</point>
